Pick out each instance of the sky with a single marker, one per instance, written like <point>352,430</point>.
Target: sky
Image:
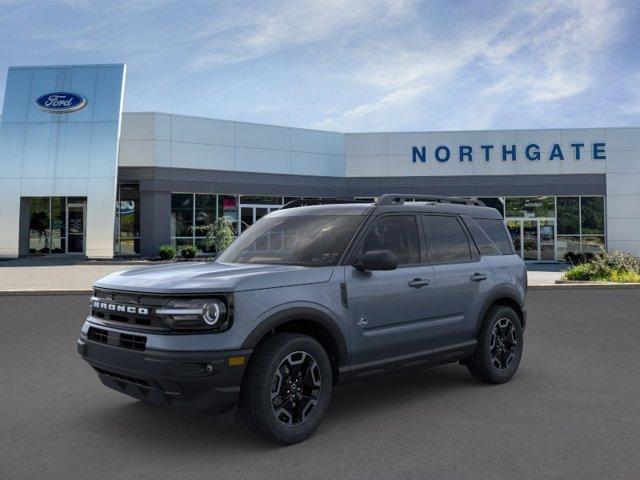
<point>351,65</point>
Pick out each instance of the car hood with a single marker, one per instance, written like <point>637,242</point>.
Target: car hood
<point>205,277</point>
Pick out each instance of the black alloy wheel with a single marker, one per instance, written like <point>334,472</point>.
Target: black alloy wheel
<point>296,388</point>
<point>504,343</point>
<point>499,348</point>
<point>286,388</point>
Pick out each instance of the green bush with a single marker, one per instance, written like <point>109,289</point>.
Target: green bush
<point>218,234</point>
<point>614,266</point>
<point>189,252</point>
<point>166,252</point>
<point>582,271</point>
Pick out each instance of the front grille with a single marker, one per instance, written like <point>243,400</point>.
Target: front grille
<point>98,335</point>
<point>133,342</point>
<point>116,339</point>
<point>126,378</point>
<point>128,309</point>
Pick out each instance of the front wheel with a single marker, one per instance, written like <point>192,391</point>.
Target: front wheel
<point>287,388</point>
<point>499,349</point>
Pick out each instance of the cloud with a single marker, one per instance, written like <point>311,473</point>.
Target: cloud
<point>347,65</point>
<point>542,53</point>
<point>248,34</point>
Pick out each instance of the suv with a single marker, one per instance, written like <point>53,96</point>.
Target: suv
<point>312,297</point>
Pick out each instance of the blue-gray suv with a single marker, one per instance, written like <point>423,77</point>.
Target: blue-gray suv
<point>311,297</point>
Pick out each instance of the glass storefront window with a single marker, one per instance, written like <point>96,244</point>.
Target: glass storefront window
<point>592,244</point>
<point>39,225</point>
<point>580,225</point>
<point>127,227</point>
<point>592,209</point>
<point>567,244</point>
<point>530,207</point>
<point>568,216</point>
<point>48,228</point>
<point>260,200</point>
<point>181,214</point>
<point>205,210</point>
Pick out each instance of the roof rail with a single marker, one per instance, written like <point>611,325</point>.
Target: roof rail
<point>305,202</point>
<point>400,198</point>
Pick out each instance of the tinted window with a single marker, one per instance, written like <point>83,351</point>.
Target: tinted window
<point>494,228</point>
<point>311,241</point>
<point>396,233</point>
<point>447,241</point>
<point>483,242</point>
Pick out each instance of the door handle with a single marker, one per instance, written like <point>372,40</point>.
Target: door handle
<point>478,277</point>
<point>418,282</point>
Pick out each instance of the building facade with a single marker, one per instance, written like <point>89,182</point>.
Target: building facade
<point>90,179</point>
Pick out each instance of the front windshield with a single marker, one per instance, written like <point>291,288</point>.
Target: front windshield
<point>311,241</point>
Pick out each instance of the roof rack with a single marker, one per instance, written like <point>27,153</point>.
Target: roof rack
<point>305,202</point>
<point>400,198</point>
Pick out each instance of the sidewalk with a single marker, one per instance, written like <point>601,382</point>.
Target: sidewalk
<point>42,275</point>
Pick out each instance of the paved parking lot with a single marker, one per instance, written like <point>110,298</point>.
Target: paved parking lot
<point>573,411</point>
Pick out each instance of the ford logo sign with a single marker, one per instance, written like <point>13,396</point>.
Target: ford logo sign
<point>61,102</point>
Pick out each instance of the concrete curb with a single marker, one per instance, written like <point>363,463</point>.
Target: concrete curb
<point>23,293</point>
<point>586,286</point>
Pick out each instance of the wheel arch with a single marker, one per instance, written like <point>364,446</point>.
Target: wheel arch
<point>308,321</point>
<point>507,296</point>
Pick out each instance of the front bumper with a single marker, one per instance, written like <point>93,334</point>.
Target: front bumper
<point>199,381</point>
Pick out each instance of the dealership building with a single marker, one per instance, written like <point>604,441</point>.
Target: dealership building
<point>79,176</point>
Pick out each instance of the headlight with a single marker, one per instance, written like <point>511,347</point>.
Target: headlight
<point>190,314</point>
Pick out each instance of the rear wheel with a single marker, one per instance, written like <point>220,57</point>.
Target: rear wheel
<point>499,349</point>
<point>287,388</point>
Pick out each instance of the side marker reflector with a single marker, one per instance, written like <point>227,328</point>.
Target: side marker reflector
<point>236,361</point>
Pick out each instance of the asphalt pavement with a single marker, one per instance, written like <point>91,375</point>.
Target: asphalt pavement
<point>571,412</point>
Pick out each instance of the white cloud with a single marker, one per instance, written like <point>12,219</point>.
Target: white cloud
<point>542,53</point>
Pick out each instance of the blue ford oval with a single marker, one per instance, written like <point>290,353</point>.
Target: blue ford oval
<point>61,102</point>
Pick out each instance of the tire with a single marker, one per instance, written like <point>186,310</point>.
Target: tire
<point>297,405</point>
<point>500,344</point>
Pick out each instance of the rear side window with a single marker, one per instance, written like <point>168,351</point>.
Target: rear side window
<point>397,233</point>
<point>483,242</point>
<point>447,242</point>
<point>497,232</point>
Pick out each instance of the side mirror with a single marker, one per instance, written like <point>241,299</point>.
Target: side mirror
<point>378,260</point>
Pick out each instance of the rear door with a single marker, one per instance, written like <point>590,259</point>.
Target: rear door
<point>462,277</point>
<point>389,311</point>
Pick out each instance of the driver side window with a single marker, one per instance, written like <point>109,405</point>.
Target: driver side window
<point>398,233</point>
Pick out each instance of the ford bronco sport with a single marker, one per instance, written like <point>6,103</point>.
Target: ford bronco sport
<point>311,297</point>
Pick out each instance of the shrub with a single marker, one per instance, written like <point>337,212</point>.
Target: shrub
<point>166,252</point>
<point>581,271</point>
<point>219,234</point>
<point>189,251</point>
<point>614,266</point>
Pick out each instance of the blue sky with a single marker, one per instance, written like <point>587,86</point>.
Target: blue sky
<point>351,65</point>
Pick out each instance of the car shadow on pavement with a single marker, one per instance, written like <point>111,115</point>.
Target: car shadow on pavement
<point>135,421</point>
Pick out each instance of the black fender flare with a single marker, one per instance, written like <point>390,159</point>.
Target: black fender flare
<point>499,292</point>
<point>310,314</point>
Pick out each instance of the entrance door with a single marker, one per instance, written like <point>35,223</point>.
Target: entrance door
<point>534,239</point>
<point>530,240</point>
<point>75,227</point>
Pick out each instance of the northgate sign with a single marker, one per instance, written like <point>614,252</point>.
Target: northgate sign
<point>532,152</point>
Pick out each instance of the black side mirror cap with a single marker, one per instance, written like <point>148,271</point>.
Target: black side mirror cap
<point>377,260</point>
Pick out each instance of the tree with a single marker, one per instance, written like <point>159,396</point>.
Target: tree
<point>219,234</point>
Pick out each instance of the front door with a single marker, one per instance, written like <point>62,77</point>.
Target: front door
<point>390,311</point>
<point>534,239</point>
<point>75,227</point>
